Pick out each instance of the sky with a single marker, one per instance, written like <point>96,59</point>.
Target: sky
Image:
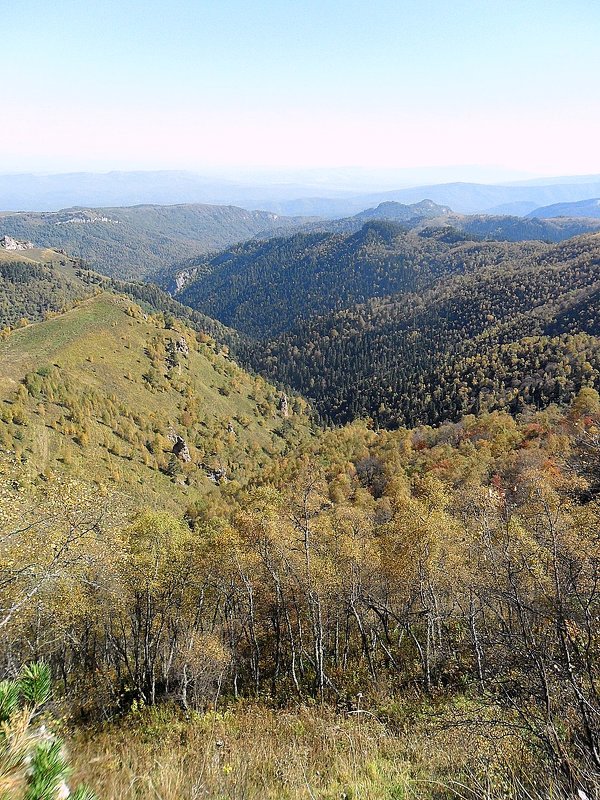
<point>508,87</point>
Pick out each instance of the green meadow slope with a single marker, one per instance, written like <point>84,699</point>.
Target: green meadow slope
<point>103,390</point>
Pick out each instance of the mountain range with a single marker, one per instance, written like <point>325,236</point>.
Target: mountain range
<point>325,196</point>
<point>581,208</point>
<point>407,313</point>
<point>328,435</point>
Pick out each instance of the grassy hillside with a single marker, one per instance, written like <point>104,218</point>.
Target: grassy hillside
<point>135,241</point>
<point>102,391</point>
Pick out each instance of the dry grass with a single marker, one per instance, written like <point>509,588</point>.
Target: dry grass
<point>253,753</point>
<point>309,753</point>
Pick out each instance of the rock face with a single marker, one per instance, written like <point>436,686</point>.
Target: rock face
<point>181,450</point>
<point>181,346</point>
<point>284,405</point>
<point>183,278</point>
<point>8,243</point>
<point>175,349</point>
<point>217,476</point>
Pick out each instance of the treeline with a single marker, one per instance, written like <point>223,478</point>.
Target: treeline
<point>460,562</point>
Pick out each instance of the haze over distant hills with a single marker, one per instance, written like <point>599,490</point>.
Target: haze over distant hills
<point>502,227</point>
<point>582,208</point>
<point>325,197</point>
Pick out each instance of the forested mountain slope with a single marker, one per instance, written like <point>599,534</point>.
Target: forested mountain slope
<point>498,336</point>
<point>138,401</point>
<point>135,241</point>
<point>264,287</point>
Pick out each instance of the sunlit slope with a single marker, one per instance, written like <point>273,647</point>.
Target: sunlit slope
<point>35,255</point>
<point>104,390</point>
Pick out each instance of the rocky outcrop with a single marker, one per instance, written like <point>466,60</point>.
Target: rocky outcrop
<point>183,278</point>
<point>8,243</point>
<point>180,448</point>
<point>284,406</point>
<point>217,476</point>
<point>82,218</point>
<point>181,346</point>
<point>177,348</point>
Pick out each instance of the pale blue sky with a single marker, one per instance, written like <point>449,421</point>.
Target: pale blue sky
<point>197,84</point>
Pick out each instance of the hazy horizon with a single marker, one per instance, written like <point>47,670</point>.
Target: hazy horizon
<point>343,180</point>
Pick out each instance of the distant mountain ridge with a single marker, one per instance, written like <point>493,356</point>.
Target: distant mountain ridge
<point>51,192</point>
<point>134,241</point>
<point>476,198</point>
<point>400,212</point>
<point>500,227</point>
<point>581,208</point>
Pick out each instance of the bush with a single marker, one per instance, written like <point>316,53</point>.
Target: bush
<point>33,765</point>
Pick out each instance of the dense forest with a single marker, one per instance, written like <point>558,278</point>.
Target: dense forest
<point>411,327</point>
<point>497,338</point>
<point>263,287</point>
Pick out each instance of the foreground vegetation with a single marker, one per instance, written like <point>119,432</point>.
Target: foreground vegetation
<point>449,575</point>
<point>33,763</point>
